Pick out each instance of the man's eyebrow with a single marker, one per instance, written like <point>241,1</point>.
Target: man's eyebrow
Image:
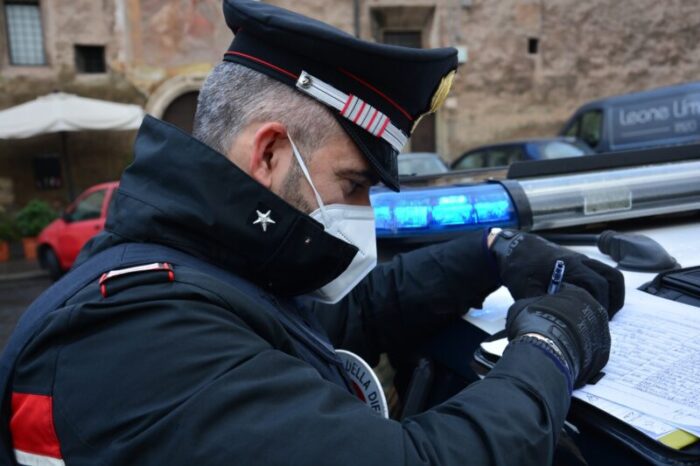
<point>367,175</point>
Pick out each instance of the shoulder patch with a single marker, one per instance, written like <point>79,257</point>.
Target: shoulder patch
<point>365,382</point>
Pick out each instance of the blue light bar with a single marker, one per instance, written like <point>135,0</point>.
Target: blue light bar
<point>440,210</point>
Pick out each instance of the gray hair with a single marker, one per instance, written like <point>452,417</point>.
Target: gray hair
<point>234,96</point>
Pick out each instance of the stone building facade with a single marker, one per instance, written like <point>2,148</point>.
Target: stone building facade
<point>526,64</point>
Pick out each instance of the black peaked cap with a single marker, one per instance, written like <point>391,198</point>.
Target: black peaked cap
<point>379,91</point>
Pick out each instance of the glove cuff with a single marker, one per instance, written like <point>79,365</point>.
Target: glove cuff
<point>502,241</point>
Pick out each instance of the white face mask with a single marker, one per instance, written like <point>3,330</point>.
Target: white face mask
<point>352,224</point>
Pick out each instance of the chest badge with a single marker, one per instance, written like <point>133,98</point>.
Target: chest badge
<point>264,219</point>
<point>365,382</point>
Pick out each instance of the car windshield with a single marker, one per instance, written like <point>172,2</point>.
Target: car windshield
<point>496,156</point>
<point>420,164</point>
<point>562,149</point>
<point>89,208</point>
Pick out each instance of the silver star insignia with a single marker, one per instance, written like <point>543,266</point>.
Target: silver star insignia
<point>263,219</point>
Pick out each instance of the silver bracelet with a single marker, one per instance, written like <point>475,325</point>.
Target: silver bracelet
<point>551,344</point>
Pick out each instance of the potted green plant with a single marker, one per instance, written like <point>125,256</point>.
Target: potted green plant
<point>30,221</point>
<point>8,232</point>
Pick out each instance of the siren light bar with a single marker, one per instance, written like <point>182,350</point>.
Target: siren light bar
<point>538,203</point>
<point>441,210</point>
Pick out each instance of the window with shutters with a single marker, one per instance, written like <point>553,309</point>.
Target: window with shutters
<point>24,34</point>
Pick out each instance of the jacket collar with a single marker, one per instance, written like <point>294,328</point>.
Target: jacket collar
<point>181,193</point>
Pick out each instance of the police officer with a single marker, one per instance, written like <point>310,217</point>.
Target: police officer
<point>200,326</point>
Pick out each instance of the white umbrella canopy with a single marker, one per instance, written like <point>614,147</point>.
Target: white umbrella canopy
<point>59,112</point>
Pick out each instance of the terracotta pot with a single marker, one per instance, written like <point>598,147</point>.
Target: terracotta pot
<point>4,251</point>
<point>29,245</point>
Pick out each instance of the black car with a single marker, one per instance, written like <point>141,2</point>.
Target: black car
<point>421,163</point>
<point>503,154</point>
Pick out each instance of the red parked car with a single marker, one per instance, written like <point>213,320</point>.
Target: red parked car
<point>61,241</point>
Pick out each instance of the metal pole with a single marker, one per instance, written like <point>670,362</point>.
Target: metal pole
<point>66,160</point>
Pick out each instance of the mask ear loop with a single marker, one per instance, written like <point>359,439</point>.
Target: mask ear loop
<point>305,171</point>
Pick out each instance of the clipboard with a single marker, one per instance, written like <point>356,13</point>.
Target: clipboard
<point>592,420</point>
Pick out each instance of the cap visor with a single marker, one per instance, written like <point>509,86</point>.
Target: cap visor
<point>381,156</point>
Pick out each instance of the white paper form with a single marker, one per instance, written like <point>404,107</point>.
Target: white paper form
<point>650,426</point>
<point>654,365</point>
<point>492,317</point>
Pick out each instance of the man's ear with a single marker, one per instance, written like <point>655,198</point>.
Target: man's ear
<point>265,157</point>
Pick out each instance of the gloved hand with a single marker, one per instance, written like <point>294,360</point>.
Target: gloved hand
<point>525,264</point>
<point>573,321</point>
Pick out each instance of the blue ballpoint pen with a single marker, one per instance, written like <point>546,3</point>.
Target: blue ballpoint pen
<point>557,277</point>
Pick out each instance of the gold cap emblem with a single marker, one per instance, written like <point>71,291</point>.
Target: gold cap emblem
<point>438,97</point>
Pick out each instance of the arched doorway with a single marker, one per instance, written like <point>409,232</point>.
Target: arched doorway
<point>181,111</point>
<point>175,100</point>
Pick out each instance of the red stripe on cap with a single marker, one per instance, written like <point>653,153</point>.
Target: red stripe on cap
<point>263,62</point>
<point>32,425</point>
<point>347,104</point>
<point>380,93</point>
<point>359,112</point>
<point>381,131</point>
<point>369,125</point>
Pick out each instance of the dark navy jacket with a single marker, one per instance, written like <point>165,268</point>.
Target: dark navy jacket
<point>198,371</point>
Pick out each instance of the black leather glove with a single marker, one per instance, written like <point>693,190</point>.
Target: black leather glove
<point>573,321</point>
<point>525,264</point>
